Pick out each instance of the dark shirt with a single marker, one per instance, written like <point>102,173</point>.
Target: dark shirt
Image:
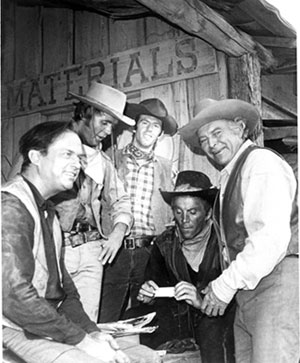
<point>21,302</point>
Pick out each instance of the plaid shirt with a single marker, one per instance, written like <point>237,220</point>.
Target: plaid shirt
<point>139,185</point>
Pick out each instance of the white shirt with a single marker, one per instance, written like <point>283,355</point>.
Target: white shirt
<point>268,190</point>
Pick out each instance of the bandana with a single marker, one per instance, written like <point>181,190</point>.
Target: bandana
<point>194,249</point>
<point>137,153</point>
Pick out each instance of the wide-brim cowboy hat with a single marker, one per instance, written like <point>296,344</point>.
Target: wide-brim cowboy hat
<point>192,183</point>
<point>107,99</point>
<point>208,110</point>
<point>153,107</point>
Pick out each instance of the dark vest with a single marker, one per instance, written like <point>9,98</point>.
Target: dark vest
<point>232,212</point>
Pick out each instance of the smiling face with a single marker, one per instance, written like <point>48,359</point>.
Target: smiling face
<point>147,132</point>
<point>94,131</point>
<point>191,214</point>
<point>60,166</point>
<point>220,140</point>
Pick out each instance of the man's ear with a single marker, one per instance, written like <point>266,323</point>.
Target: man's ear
<point>161,135</point>
<point>208,214</point>
<point>34,156</point>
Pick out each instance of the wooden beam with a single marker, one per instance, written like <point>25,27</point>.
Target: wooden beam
<point>277,42</point>
<point>196,18</point>
<point>274,133</point>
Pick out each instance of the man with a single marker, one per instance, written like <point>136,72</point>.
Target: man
<point>257,215</point>
<point>186,257</point>
<point>143,173</point>
<point>43,318</point>
<point>87,248</point>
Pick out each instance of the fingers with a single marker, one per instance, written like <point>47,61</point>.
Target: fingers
<point>107,254</point>
<point>147,291</point>
<point>121,357</point>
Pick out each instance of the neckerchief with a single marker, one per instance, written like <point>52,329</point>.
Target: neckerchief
<point>193,249</point>
<point>137,153</point>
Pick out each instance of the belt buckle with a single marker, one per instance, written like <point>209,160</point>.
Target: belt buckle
<point>78,239</point>
<point>129,243</point>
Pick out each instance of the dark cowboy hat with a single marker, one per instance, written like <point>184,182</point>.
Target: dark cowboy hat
<point>193,183</point>
<point>107,99</point>
<point>153,107</point>
<point>209,110</point>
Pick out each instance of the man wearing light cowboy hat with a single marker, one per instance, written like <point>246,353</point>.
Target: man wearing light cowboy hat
<point>143,173</point>
<point>257,216</point>
<point>86,247</point>
<point>186,257</point>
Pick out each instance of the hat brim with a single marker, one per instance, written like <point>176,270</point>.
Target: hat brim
<point>221,110</point>
<point>206,194</point>
<point>169,124</point>
<point>100,106</point>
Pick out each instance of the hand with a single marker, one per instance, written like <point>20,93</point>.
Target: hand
<point>147,292</point>
<point>211,304</point>
<point>188,292</point>
<point>98,345</point>
<point>112,244</point>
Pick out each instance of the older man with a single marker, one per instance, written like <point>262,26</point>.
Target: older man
<point>186,257</point>
<point>257,216</point>
<point>43,318</point>
<point>143,173</point>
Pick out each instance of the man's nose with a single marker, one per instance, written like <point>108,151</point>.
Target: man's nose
<point>108,129</point>
<point>212,141</point>
<point>185,217</point>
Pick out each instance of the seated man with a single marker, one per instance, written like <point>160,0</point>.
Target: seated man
<point>43,318</point>
<point>186,256</point>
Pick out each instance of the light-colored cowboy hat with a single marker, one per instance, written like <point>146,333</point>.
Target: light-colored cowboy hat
<point>153,107</point>
<point>107,99</point>
<point>208,110</point>
<point>193,183</point>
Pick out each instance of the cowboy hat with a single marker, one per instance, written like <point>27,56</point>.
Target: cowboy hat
<point>153,107</point>
<point>209,110</point>
<point>107,99</point>
<point>193,183</point>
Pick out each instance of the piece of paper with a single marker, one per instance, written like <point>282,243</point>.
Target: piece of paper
<point>165,292</point>
<point>130,326</point>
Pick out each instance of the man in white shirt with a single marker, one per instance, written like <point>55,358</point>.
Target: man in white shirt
<point>257,216</point>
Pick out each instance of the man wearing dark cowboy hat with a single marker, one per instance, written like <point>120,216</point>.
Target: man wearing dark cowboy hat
<point>257,216</point>
<point>186,257</point>
<point>143,173</point>
<point>87,248</point>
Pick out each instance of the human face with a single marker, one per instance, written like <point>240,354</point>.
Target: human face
<point>59,168</point>
<point>220,140</point>
<point>98,128</point>
<point>191,214</point>
<point>148,130</point>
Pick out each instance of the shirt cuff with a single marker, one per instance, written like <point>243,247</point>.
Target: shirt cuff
<point>125,219</point>
<point>222,290</point>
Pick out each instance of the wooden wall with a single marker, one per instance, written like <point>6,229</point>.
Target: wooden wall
<point>38,40</point>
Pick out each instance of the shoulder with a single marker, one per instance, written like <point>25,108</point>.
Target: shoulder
<point>166,237</point>
<point>13,209</point>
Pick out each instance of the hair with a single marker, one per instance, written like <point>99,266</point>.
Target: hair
<point>84,112</point>
<point>40,137</point>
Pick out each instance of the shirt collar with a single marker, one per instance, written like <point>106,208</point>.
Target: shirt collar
<point>228,168</point>
<point>138,154</point>
<point>40,201</point>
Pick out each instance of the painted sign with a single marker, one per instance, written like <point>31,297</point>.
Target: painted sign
<point>131,70</point>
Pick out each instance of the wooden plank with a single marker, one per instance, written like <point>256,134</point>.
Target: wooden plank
<point>272,133</point>
<point>7,147</point>
<point>158,30</point>
<point>280,92</point>
<point>91,36</point>
<point>28,45</point>
<point>198,19</point>
<point>126,34</point>
<point>57,39</point>
<point>8,41</point>
<point>131,70</point>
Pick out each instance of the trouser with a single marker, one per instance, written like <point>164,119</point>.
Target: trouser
<point>266,327</point>
<point>122,279</point>
<point>47,351</point>
<point>86,271</point>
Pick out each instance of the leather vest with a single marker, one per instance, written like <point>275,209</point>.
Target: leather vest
<point>232,212</point>
<point>21,190</point>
